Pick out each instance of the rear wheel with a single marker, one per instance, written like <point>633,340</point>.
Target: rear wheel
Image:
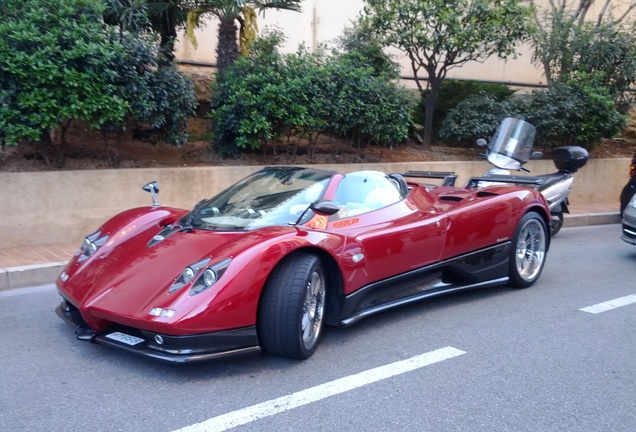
<point>292,307</point>
<point>556,220</point>
<point>528,254</point>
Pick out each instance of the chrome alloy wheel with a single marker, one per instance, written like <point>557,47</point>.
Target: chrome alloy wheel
<point>531,249</point>
<point>313,309</point>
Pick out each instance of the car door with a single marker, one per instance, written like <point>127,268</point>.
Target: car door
<point>390,241</point>
<point>479,221</point>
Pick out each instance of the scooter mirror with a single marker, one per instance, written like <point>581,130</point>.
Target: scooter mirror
<point>481,142</point>
<point>536,155</point>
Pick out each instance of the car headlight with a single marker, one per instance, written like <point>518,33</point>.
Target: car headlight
<point>189,274</point>
<point>632,202</point>
<point>90,245</point>
<point>210,276</point>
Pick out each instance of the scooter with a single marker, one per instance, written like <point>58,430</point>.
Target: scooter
<point>511,147</point>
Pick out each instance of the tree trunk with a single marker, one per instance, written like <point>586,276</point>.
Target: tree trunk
<point>118,147</point>
<point>45,143</point>
<point>61,156</point>
<point>106,147</point>
<point>168,36</point>
<point>227,48</point>
<point>429,100</point>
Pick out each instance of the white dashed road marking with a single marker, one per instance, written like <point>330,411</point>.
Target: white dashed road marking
<point>322,391</point>
<point>609,305</point>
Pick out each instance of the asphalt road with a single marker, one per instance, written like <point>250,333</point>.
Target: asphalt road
<point>508,360</point>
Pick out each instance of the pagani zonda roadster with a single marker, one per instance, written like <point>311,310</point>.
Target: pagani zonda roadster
<point>268,262</point>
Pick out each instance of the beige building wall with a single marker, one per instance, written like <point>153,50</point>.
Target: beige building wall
<point>322,21</point>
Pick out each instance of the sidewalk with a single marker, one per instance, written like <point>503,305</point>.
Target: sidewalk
<point>41,264</point>
<point>33,265</point>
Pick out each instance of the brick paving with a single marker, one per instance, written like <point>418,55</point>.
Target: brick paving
<point>37,254</point>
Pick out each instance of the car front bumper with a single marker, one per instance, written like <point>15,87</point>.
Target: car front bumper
<point>629,225</point>
<point>175,349</point>
<point>629,234</point>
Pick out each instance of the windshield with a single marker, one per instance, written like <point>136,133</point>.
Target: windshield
<point>272,196</point>
<point>511,146</point>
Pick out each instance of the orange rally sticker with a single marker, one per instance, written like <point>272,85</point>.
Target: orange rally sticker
<point>345,223</point>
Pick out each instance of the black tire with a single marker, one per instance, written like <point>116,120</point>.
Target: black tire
<point>529,249</point>
<point>556,221</point>
<point>292,307</point>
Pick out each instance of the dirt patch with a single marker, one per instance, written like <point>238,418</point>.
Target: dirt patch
<point>86,150</point>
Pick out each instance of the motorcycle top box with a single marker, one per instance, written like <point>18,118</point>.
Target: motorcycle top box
<point>570,158</point>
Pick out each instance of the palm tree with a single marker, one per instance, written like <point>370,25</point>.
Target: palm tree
<point>159,17</point>
<point>233,12</point>
<point>128,15</point>
<point>165,18</point>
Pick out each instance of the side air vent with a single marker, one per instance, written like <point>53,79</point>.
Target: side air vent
<point>451,198</point>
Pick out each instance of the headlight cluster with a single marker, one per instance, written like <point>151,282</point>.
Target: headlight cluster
<point>210,276</point>
<point>90,245</point>
<point>203,275</point>
<point>632,202</point>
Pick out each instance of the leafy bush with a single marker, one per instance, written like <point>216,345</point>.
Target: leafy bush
<point>478,116</point>
<point>59,62</point>
<point>171,101</point>
<point>570,45</point>
<point>367,107</point>
<point>563,115</point>
<point>452,92</point>
<point>247,98</point>
<point>160,99</point>
<point>267,96</point>
<point>567,114</point>
<point>54,57</point>
<point>358,46</point>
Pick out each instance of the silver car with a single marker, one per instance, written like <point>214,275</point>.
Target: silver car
<point>629,222</point>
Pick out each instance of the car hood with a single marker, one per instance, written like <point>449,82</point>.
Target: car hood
<point>135,275</point>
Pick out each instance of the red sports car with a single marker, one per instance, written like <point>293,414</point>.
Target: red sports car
<point>268,262</point>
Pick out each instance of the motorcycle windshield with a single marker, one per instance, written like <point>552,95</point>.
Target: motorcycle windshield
<point>511,146</point>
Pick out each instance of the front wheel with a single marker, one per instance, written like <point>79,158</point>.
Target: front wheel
<point>292,307</point>
<point>529,248</point>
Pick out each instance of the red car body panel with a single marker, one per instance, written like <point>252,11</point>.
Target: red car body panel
<point>125,278</point>
<point>231,303</point>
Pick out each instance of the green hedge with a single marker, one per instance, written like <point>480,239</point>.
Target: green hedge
<point>563,114</point>
<point>269,97</point>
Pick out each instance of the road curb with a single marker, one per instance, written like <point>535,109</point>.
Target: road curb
<point>591,219</point>
<point>29,275</point>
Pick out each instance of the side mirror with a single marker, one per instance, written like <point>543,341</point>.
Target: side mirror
<point>153,188</point>
<point>325,208</point>
<point>536,155</point>
<point>481,142</point>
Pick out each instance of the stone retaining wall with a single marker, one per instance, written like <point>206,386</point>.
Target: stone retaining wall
<point>64,206</point>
